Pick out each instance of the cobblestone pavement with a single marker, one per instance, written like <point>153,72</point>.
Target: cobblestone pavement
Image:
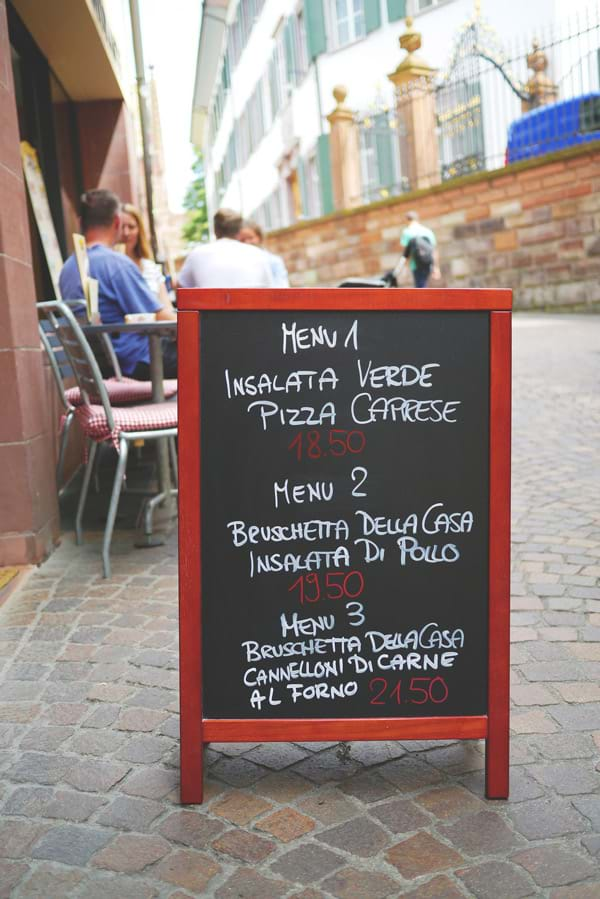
<point>88,719</point>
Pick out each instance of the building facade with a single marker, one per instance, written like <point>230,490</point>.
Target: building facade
<point>62,90</point>
<point>267,71</point>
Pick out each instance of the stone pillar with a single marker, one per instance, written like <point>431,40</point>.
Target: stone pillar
<point>29,522</point>
<point>106,144</point>
<point>415,104</point>
<point>345,153</point>
<point>540,88</point>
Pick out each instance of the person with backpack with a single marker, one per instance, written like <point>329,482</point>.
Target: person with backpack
<point>420,248</point>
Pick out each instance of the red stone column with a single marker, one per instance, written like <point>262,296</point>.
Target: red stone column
<point>107,152</point>
<point>29,523</point>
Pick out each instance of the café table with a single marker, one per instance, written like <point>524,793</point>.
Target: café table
<point>153,331</point>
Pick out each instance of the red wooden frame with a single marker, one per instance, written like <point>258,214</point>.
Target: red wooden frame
<point>196,730</point>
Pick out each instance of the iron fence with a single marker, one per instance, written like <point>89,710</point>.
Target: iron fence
<point>381,134</point>
<point>494,103</point>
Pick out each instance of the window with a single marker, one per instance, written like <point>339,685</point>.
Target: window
<point>268,114</point>
<point>460,129</point>
<point>347,18</point>
<point>308,179</point>
<point>275,207</point>
<point>312,187</point>
<point>379,156</point>
<point>239,32</point>
<point>299,51</point>
<point>228,166</point>
<point>219,97</point>
<point>418,6</point>
<point>278,72</point>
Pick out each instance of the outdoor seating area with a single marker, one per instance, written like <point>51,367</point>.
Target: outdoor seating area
<point>116,411</point>
<point>120,390</point>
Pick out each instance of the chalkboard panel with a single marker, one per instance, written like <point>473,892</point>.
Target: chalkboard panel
<point>344,514</point>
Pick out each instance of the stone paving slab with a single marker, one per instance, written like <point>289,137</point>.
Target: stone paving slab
<point>89,778</point>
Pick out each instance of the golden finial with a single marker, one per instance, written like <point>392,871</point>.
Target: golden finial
<point>340,93</point>
<point>412,67</point>
<point>411,39</point>
<point>341,111</point>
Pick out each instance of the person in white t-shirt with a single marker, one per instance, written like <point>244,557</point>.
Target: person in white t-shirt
<point>252,233</point>
<point>226,262</point>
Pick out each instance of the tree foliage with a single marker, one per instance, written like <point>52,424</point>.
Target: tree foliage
<point>195,229</point>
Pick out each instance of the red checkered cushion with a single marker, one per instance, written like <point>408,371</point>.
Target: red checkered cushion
<point>153,417</point>
<point>126,390</point>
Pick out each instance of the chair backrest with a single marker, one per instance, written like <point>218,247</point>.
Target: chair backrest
<point>111,355</point>
<point>56,358</point>
<point>81,358</point>
<point>107,360</point>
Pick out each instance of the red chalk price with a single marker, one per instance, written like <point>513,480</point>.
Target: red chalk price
<point>335,442</point>
<point>331,585</point>
<point>418,691</point>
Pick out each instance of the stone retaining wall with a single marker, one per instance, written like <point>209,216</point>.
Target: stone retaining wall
<point>533,227</point>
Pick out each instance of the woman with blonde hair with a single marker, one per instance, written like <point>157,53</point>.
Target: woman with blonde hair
<point>133,236</point>
<point>137,247</point>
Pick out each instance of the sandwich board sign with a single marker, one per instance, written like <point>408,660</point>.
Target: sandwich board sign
<point>344,518</point>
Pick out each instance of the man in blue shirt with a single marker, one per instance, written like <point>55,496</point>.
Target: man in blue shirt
<point>121,286</point>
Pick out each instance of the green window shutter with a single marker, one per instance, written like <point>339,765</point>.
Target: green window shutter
<point>324,165</point>
<point>273,86</point>
<point>372,15</point>
<point>384,149</point>
<point>260,112</point>
<point>396,10</point>
<point>301,167</point>
<point>316,36</point>
<point>225,73</point>
<point>290,61</point>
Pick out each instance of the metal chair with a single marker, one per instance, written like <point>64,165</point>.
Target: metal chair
<point>100,421</point>
<point>52,352</point>
<point>121,390</point>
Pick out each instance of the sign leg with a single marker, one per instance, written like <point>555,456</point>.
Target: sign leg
<point>497,763</point>
<point>190,618</point>
<point>192,773</point>
<point>496,756</point>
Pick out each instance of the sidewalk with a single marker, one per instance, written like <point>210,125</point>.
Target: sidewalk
<point>89,750</point>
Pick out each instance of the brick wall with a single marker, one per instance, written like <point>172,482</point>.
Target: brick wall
<point>533,227</point>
